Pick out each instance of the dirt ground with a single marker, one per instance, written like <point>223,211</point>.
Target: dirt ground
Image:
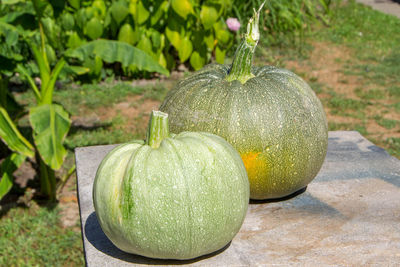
<point>326,66</point>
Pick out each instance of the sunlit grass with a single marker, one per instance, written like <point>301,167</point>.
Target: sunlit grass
<point>34,237</point>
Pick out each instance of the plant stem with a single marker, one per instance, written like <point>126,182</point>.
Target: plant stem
<point>47,180</point>
<point>64,180</point>
<point>158,128</point>
<point>241,66</point>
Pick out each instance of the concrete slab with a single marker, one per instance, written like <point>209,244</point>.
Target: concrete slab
<point>348,216</point>
<point>391,7</point>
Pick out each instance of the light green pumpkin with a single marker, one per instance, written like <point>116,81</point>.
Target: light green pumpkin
<point>173,197</point>
<point>270,115</point>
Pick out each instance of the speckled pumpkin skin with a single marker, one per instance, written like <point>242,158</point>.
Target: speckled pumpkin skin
<point>182,200</point>
<point>274,120</point>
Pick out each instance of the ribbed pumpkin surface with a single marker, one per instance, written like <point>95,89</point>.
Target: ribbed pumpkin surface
<point>274,120</point>
<point>182,200</point>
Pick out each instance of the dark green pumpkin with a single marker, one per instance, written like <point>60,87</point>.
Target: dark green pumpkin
<point>270,115</point>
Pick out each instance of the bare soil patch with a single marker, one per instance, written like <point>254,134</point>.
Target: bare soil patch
<point>68,204</point>
<point>327,66</point>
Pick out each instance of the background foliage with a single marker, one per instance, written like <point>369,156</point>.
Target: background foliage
<point>191,32</point>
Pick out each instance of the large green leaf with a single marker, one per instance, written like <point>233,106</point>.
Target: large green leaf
<point>74,40</point>
<point>173,37</point>
<point>75,3</point>
<point>182,7</point>
<point>160,9</point>
<point>114,51</point>
<point>67,21</point>
<point>76,70</point>
<point>119,10</point>
<point>139,12</point>
<point>12,137</point>
<point>127,34</point>
<point>208,16</point>
<point>197,61</point>
<point>7,167</point>
<point>220,55</point>
<point>51,30</point>
<point>50,124</point>
<point>7,100</point>
<point>10,17</point>
<point>185,49</point>
<point>94,28</point>
<point>10,32</point>
<point>175,31</point>
<point>42,8</point>
<point>12,2</point>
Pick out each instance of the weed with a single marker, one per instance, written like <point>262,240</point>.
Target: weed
<point>361,129</point>
<point>95,95</point>
<point>339,103</point>
<point>396,106</point>
<point>369,32</point>
<point>316,86</point>
<point>334,126</point>
<point>387,123</point>
<point>99,136</point>
<point>393,144</point>
<point>394,91</point>
<point>155,93</point>
<point>370,94</point>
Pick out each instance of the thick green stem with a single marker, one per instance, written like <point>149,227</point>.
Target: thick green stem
<point>3,91</point>
<point>43,44</point>
<point>241,66</point>
<point>158,128</point>
<point>47,180</point>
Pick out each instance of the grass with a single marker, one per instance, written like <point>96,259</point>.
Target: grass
<point>100,136</point>
<point>374,41</point>
<point>393,146</point>
<point>33,237</point>
<point>394,91</point>
<point>346,107</point>
<point>372,34</point>
<point>370,94</point>
<point>110,132</point>
<point>386,123</point>
<point>92,96</point>
<point>333,126</point>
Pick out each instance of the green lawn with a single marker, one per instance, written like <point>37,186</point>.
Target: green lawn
<point>34,237</point>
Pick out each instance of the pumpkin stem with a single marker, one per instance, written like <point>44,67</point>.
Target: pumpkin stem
<point>158,128</point>
<point>241,66</point>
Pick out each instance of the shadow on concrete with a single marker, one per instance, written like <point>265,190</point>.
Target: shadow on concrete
<point>100,241</point>
<point>271,200</point>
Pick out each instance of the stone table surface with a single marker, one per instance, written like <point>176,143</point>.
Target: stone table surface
<point>391,7</point>
<point>348,216</point>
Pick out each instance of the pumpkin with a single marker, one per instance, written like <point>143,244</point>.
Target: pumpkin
<point>173,196</point>
<point>270,115</point>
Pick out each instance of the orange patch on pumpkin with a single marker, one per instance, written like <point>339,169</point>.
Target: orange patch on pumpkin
<point>250,160</point>
<point>256,168</point>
